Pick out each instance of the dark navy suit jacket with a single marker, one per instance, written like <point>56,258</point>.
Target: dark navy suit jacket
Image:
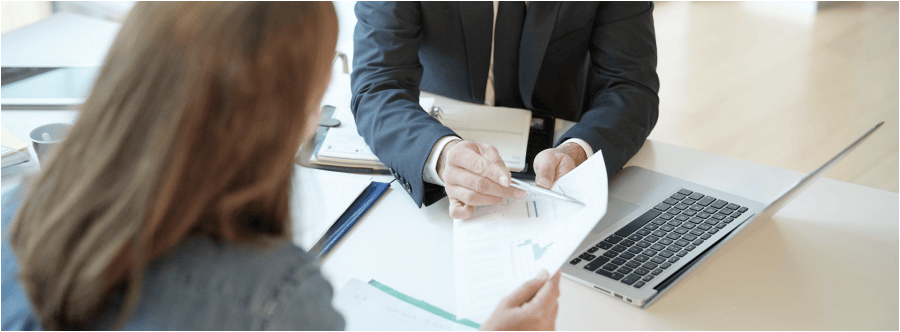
<point>590,62</point>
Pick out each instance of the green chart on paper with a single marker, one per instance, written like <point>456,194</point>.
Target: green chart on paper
<point>538,250</point>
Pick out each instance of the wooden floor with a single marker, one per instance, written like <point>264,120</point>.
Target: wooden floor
<point>782,87</point>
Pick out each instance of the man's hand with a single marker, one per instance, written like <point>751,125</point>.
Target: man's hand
<point>552,164</point>
<point>473,175</point>
<point>532,307</point>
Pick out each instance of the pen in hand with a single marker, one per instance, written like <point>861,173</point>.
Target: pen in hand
<point>516,183</point>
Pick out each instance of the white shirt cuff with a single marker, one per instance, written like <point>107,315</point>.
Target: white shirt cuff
<point>429,172</point>
<point>588,151</point>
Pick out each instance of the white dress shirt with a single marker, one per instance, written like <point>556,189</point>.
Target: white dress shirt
<point>429,172</point>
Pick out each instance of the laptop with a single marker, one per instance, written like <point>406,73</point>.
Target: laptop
<point>46,88</point>
<point>658,228</point>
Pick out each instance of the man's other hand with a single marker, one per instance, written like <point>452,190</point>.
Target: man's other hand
<point>474,175</point>
<point>552,164</point>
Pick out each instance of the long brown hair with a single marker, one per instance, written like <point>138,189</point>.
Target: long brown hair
<point>191,128</point>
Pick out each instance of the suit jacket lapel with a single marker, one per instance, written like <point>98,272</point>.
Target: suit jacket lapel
<point>539,23</point>
<point>477,22</point>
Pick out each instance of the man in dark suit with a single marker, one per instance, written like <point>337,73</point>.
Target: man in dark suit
<point>594,63</point>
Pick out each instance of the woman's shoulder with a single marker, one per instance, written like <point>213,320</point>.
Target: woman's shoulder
<point>16,313</point>
<point>204,284</point>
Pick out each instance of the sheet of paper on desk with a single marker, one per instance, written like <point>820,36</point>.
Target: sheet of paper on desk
<point>367,308</point>
<point>505,245</point>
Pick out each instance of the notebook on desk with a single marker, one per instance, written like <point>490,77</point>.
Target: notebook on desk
<point>340,201</point>
<point>341,148</point>
<point>507,129</point>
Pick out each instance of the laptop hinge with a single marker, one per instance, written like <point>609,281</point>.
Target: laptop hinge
<point>684,269</point>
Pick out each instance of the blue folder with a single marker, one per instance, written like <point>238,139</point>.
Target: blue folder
<point>342,225</point>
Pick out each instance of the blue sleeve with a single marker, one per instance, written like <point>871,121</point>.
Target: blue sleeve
<point>16,311</point>
<point>622,83</point>
<point>385,83</point>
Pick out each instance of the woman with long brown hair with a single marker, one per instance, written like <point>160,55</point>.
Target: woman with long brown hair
<point>167,205</point>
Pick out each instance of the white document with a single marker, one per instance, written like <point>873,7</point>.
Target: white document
<point>335,193</point>
<point>505,245</point>
<point>366,308</point>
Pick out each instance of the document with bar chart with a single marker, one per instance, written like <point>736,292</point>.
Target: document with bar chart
<point>503,246</point>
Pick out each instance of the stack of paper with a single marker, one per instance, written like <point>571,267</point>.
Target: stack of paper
<point>14,150</point>
<point>345,149</point>
<point>505,245</point>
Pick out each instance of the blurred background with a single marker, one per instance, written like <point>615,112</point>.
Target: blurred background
<point>788,84</point>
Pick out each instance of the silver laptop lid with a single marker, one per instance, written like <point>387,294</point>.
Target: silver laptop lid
<point>794,190</point>
<point>752,225</point>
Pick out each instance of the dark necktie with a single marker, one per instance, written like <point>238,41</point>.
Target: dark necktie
<point>507,35</point>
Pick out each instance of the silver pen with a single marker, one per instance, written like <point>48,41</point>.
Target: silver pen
<point>516,183</point>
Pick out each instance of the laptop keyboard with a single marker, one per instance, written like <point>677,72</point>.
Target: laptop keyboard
<point>643,249</point>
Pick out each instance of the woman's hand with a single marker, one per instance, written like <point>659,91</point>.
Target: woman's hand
<point>531,307</point>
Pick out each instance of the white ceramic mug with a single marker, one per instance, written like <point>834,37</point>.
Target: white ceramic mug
<point>46,137</point>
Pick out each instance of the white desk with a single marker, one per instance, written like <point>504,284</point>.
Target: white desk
<point>829,260</point>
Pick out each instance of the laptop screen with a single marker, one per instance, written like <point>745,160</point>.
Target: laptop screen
<point>46,86</point>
